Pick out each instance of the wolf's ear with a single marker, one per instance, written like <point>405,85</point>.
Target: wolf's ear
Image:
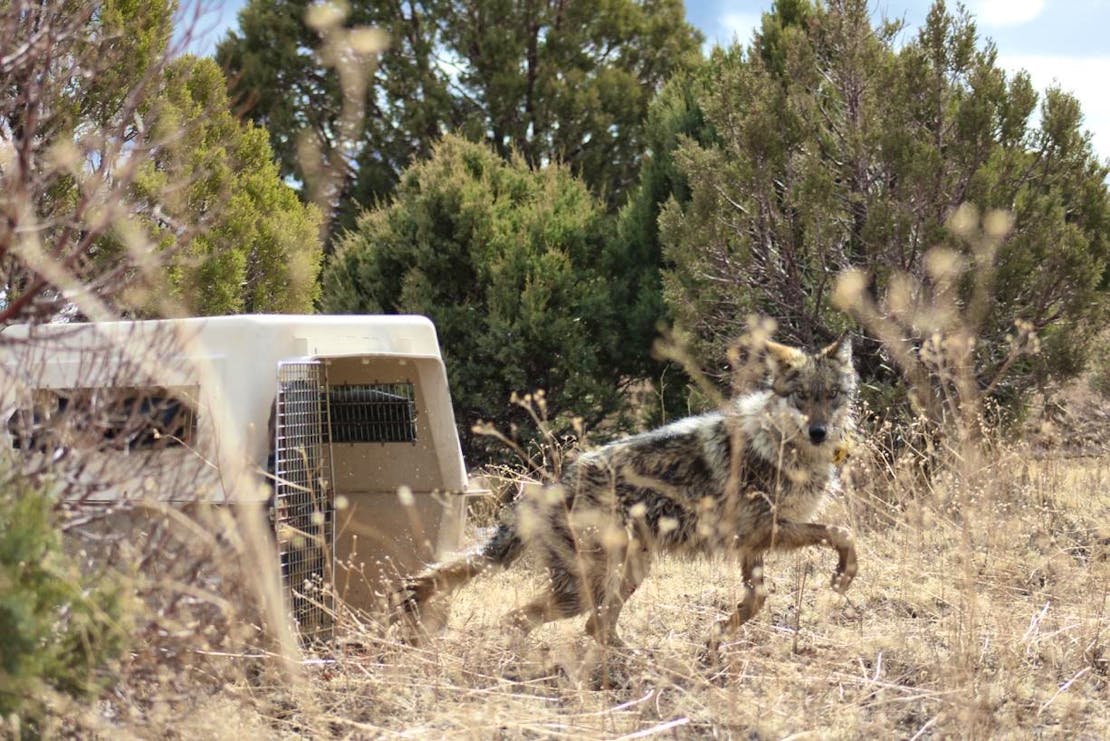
<point>841,349</point>
<point>780,357</point>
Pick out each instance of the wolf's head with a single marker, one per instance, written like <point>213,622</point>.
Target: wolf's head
<point>812,393</point>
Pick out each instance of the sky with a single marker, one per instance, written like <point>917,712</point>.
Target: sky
<point>1062,42</point>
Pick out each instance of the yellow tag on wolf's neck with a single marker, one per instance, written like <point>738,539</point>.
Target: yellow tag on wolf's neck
<point>840,454</point>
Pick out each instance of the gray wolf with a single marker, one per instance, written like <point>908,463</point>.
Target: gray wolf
<point>745,480</point>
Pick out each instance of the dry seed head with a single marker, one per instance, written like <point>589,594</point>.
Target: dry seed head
<point>404,495</point>
<point>7,155</point>
<point>931,353</point>
<point>325,16</point>
<point>963,342</point>
<point>366,41</point>
<point>99,217</point>
<point>760,328</point>
<point>899,296</point>
<point>943,263</point>
<point>64,156</point>
<point>529,523</point>
<point>1026,336</point>
<point>998,223</point>
<point>613,537</point>
<point>958,345</point>
<point>850,286</point>
<point>309,153</point>
<point>965,220</point>
<point>553,495</point>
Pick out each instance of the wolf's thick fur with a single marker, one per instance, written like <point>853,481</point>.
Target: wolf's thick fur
<point>746,479</point>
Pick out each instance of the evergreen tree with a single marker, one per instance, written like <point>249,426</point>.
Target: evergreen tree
<point>75,84</point>
<point>260,248</point>
<point>126,185</point>
<point>839,148</point>
<point>505,260</point>
<point>551,81</point>
<point>63,629</point>
<point>635,253</point>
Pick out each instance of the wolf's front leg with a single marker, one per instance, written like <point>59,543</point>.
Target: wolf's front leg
<point>846,566</point>
<point>787,536</point>
<point>751,570</point>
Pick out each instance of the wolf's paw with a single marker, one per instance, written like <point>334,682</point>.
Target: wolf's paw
<point>709,657</point>
<point>403,602</point>
<point>845,573</point>
<point>712,660</point>
<point>710,653</point>
<point>841,581</point>
<point>847,565</point>
<point>419,626</point>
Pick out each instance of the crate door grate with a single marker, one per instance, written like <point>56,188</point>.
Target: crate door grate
<point>373,413</point>
<point>304,499</point>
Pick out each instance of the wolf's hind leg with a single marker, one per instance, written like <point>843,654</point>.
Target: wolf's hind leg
<point>614,583</point>
<point>562,599</point>
<point>413,606</point>
<point>543,609</point>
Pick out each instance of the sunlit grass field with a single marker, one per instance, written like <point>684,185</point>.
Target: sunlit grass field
<point>979,612</point>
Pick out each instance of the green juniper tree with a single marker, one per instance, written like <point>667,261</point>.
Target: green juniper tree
<point>635,253</point>
<point>551,82</point>
<point>260,248</point>
<point>838,147</point>
<point>505,261</point>
<point>126,185</point>
<point>64,630</point>
<point>75,86</point>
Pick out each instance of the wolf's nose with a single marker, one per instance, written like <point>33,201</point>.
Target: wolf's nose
<point>817,434</point>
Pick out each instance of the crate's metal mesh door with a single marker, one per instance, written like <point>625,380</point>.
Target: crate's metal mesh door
<point>304,499</point>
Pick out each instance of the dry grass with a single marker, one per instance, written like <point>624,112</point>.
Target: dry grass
<point>980,611</point>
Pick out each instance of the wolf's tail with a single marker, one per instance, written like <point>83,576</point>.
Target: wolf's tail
<point>502,549</point>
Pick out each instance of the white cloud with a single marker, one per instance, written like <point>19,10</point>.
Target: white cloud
<point>1083,77</point>
<point>1006,12</point>
<point>739,26</point>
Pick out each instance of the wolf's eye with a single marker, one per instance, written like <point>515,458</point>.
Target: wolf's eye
<point>833,393</point>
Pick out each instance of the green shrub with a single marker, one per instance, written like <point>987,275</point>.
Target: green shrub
<point>508,263</point>
<point>1100,367</point>
<point>62,629</point>
<point>828,155</point>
